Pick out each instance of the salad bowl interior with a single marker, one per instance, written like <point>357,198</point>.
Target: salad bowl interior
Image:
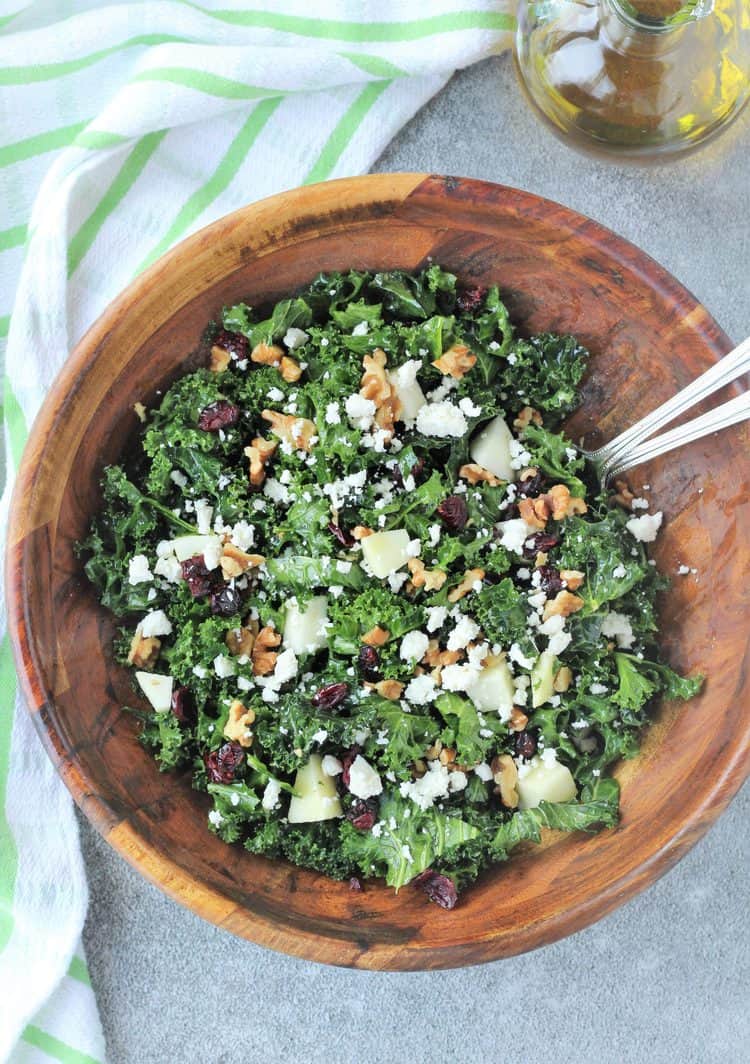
<point>557,271</point>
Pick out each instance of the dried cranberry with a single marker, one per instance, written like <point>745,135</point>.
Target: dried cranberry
<point>340,534</point>
<point>347,761</point>
<point>235,343</point>
<point>226,602</point>
<point>439,889</point>
<point>197,577</point>
<point>223,764</point>
<point>540,541</point>
<point>330,695</point>
<point>525,745</point>
<point>219,415</point>
<point>183,706</point>
<point>532,486</point>
<point>471,298</point>
<point>454,512</point>
<point>363,813</point>
<point>355,884</point>
<point>550,580</point>
<point>368,662</point>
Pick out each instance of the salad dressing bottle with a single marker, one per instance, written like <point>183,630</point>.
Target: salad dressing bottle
<point>636,78</point>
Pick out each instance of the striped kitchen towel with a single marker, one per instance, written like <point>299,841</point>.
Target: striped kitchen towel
<point>123,127</point>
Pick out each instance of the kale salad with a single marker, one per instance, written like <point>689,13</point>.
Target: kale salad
<point>374,602</point>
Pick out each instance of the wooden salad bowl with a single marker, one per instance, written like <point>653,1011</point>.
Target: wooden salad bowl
<point>558,271</point>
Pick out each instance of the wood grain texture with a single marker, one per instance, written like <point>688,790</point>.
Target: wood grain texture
<point>558,270</point>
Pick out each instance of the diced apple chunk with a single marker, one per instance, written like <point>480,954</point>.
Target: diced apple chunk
<point>490,449</point>
<point>157,689</point>
<point>545,781</point>
<point>493,691</point>
<point>386,552</point>
<point>188,546</point>
<point>316,798</point>
<point>543,678</point>
<point>305,630</point>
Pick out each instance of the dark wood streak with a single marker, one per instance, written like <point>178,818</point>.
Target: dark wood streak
<point>559,271</point>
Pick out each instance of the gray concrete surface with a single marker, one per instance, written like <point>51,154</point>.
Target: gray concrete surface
<point>666,978</point>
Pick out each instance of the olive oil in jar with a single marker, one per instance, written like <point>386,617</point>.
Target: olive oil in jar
<point>635,78</point>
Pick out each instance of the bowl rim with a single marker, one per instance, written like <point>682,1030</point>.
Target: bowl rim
<point>207,901</point>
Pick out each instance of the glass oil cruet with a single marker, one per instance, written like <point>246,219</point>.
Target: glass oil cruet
<point>635,78</point>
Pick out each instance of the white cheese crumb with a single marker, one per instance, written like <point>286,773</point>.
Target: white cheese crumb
<point>295,338</point>
<point>619,572</point>
<point>469,408</point>
<point>275,395</point>
<point>360,411</point>
<point>212,555</point>
<point>332,766</point>
<point>224,666</point>
<point>483,771</point>
<point>178,478</point>
<point>683,570</point>
<point>514,534</point>
<point>364,782</point>
<point>516,655</point>
<point>463,633</point>
<point>360,329</point>
<point>441,420</point>
<point>646,527</point>
<point>436,617</point>
<point>618,626</point>
<point>216,818</point>
<point>639,504</point>
<point>421,690</point>
<point>138,570</point>
<point>333,414</point>
<point>598,689</point>
<point>203,514</point>
<point>155,623</point>
<point>243,535</point>
<point>271,795</point>
<point>414,646</point>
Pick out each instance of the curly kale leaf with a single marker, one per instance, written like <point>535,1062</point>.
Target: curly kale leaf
<point>408,735</point>
<point>603,551</point>
<point>555,455</point>
<point>463,728</point>
<point>417,841</point>
<point>301,574</point>
<point>170,745</point>
<point>546,371</point>
<point>638,676</point>
<point>500,610</point>
<point>315,846</point>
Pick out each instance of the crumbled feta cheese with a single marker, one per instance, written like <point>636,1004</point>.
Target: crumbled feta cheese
<point>138,570</point>
<point>683,570</point>
<point>436,617</point>
<point>434,532</point>
<point>414,549</point>
<point>360,329</point>
<point>244,684</point>
<point>203,515</point>
<point>242,535</point>
<point>618,626</point>
<point>215,818</point>
<point>294,338</point>
<point>645,528</point>
<point>200,672</point>
<point>276,491</point>
<point>516,655</point>
<point>360,411</point>
<point>343,566</point>
<point>224,666</point>
<point>598,689</point>
<point>320,736</point>
<point>275,395</point>
<point>271,795</point>
<point>483,771</point>
<point>437,782</point>
<point>619,572</point>
<point>332,766</point>
<point>441,420</point>
<point>460,677</point>
<point>519,456</point>
<point>333,414</point>
<point>514,534</point>
<point>336,590</point>
<point>396,581</point>
<point>155,623</point>
<point>465,630</point>
<point>469,408</point>
<point>414,646</point>
<point>212,555</point>
<point>364,782</point>
<point>169,568</point>
<point>421,690</point>
<point>178,478</point>
<point>639,504</point>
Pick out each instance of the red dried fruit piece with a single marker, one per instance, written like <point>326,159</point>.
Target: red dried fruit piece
<point>183,706</point>
<point>226,602</point>
<point>532,487</point>
<point>454,512</point>
<point>235,343</point>
<point>197,577</point>
<point>471,298</point>
<point>330,695</point>
<point>550,580</point>
<point>525,745</point>
<point>347,761</point>
<point>223,764</point>
<point>369,662</point>
<point>540,541</point>
<point>363,813</point>
<point>219,415</point>
<point>340,534</point>
<point>439,889</point>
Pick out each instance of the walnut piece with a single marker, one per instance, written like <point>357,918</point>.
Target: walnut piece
<point>234,562</point>
<point>474,473</point>
<point>447,756</point>
<point>299,432</point>
<point>267,354</point>
<point>436,658</point>
<point>624,496</point>
<point>563,679</point>
<point>361,532</point>
<point>456,361</point>
<point>263,656</point>
<point>376,386</point>
<point>290,369</point>
<point>573,578</point>
<point>140,412</point>
<point>429,579</point>
<point>259,452</point>
<point>525,417</point>
<point>144,650</point>
<point>535,512</point>
<point>390,689</point>
<point>518,719</point>
<point>562,503</point>
<point>562,605</point>
<point>240,641</point>
<point>219,360</point>
<point>237,727</point>
<point>505,774</point>
<point>376,637</point>
<point>467,584</point>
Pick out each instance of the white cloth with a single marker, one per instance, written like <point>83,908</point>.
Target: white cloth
<point>125,127</point>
